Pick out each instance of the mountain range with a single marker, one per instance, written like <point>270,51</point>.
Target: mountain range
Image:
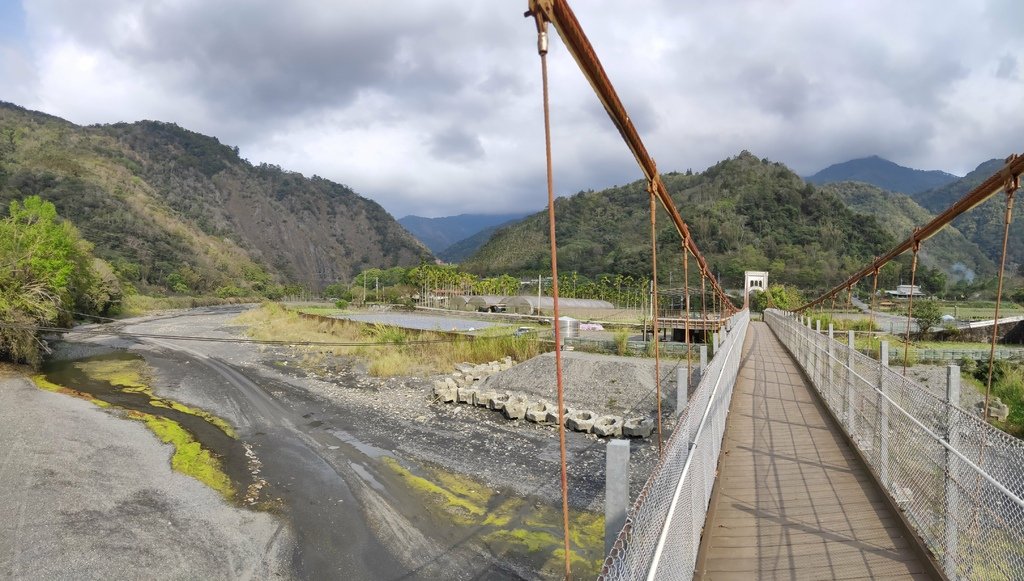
<point>158,200</point>
<point>440,234</point>
<point>884,174</point>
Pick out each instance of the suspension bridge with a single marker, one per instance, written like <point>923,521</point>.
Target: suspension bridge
<point>796,456</point>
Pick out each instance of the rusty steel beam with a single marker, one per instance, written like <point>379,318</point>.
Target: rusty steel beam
<point>1004,179</point>
<point>558,13</point>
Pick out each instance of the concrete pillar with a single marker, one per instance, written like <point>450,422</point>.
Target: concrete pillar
<point>817,325</point>
<point>953,507</point>
<point>616,490</point>
<point>882,407</point>
<point>714,344</point>
<point>682,388</point>
<point>850,416</point>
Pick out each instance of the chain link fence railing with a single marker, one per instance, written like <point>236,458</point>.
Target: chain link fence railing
<point>662,531</point>
<point>958,480</point>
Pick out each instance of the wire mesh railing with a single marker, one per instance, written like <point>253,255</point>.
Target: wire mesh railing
<point>958,480</point>
<point>662,531</point>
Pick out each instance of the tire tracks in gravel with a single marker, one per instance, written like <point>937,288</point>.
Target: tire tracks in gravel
<point>386,545</point>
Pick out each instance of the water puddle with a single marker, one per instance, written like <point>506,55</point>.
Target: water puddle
<point>365,475</point>
<point>206,446</point>
<point>369,450</point>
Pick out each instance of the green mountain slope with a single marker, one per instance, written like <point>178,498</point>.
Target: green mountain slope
<point>170,207</point>
<point>744,213</point>
<point>948,250</point>
<point>884,174</point>
<point>466,247</point>
<point>982,225</point>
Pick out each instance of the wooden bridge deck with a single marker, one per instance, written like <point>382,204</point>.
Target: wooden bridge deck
<point>793,501</point>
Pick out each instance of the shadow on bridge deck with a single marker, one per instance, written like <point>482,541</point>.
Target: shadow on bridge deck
<point>792,499</point>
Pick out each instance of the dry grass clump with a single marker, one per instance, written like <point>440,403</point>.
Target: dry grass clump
<point>394,351</point>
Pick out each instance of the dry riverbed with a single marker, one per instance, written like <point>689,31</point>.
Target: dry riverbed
<point>363,477</point>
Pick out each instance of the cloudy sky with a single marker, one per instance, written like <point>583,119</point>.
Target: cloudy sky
<point>433,107</point>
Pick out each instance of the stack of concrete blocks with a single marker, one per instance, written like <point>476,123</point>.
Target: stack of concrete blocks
<point>464,386</point>
<point>997,410</point>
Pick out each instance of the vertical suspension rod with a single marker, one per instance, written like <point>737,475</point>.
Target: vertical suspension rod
<point>654,309</point>
<point>1011,188</point>
<point>542,49</point>
<point>910,305</point>
<point>564,20</point>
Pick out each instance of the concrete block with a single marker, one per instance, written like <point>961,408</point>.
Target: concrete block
<point>638,427</point>
<point>537,412</point>
<point>580,421</point>
<point>608,426</point>
<point>451,383</point>
<point>468,395</point>
<point>484,397</point>
<point>515,407</point>
<point>553,414</point>
<point>445,392</point>
<point>497,401</point>
<point>464,367</point>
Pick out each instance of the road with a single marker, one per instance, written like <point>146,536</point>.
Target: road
<point>339,511</point>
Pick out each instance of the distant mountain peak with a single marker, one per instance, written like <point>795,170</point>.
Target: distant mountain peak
<point>886,174</point>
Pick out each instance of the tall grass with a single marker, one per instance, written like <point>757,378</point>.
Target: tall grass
<point>401,352</point>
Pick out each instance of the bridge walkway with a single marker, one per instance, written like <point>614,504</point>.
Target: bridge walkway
<point>792,499</point>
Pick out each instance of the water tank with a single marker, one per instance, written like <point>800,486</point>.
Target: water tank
<point>569,327</point>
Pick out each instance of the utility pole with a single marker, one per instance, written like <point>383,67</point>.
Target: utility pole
<point>538,293</point>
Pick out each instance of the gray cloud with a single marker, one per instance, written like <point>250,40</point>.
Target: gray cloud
<point>450,91</point>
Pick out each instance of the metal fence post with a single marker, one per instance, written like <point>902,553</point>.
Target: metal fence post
<point>616,490</point>
<point>703,361</point>
<point>952,493</point>
<point>682,389</point>
<point>849,385</point>
<point>830,385</point>
<point>883,415</point>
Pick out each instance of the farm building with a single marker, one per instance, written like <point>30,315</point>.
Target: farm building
<point>459,303</point>
<point>490,303</point>
<point>526,305</point>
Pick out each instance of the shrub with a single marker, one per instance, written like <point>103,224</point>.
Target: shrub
<point>622,341</point>
<point>341,304</point>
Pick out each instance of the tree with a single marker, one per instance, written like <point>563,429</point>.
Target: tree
<point>927,314</point>
<point>776,296</point>
<point>44,271</point>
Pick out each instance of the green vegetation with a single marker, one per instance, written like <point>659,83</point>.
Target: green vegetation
<point>746,213</point>
<point>174,211</point>
<point>1007,385</point>
<point>508,525</point>
<point>405,352</point>
<point>189,458</point>
<point>776,296</point>
<point>48,271</point>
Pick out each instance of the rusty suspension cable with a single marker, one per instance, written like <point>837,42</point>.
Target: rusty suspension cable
<point>654,308</point>
<point>1010,172</point>
<point>542,49</point>
<point>1011,188</point>
<point>910,305</point>
<point>686,277</point>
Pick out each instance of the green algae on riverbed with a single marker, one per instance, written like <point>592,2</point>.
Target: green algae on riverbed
<point>122,381</point>
<point>509,526</point>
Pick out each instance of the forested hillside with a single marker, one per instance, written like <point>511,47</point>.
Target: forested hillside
<point>982,225</point>
<point>745,213</point>
<point>171,208</point>
<point>948,250</point>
